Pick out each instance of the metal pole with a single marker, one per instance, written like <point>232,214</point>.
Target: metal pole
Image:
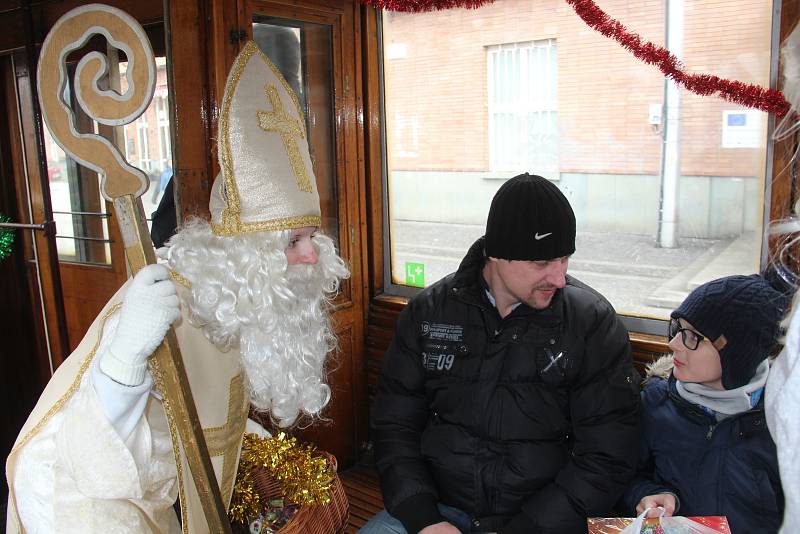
<point>671,147</point>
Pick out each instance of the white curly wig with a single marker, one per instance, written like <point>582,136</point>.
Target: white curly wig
<point>244,294</point>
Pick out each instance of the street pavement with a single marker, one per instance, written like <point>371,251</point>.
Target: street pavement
<point>635,275</point>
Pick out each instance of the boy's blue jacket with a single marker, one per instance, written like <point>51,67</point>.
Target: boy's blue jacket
<point>728,468</point>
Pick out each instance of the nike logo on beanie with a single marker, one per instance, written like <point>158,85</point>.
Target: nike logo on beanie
<point>537,205</point>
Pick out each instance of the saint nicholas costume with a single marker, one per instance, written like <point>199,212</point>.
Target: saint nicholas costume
<point>83,464</point>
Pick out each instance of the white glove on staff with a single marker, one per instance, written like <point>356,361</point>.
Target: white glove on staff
<point>149,308</point>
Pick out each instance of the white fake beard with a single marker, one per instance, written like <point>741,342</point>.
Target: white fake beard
<point>285,362</point>
<point>276,315</point>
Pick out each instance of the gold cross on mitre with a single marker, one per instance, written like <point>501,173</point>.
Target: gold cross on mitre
<point>289,128</point>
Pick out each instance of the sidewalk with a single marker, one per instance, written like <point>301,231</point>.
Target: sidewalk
<point>714,263</point>
<point>636,276</point>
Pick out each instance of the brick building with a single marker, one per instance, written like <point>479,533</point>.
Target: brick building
<point>475,96</point>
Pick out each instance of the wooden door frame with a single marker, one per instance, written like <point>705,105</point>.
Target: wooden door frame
<point>344,18</point>
<point>203,29</point>
<point>345,137</point>
<point>24,367</point>
<point>42,252</point>
<point>14,196</point>
<point>189,39</point>
<point>35,21</point>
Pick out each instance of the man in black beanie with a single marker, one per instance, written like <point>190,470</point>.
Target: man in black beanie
<point>706,447</point>
<point>507,401</point>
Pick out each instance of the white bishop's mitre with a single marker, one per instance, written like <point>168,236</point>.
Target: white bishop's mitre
<point>266,181</point>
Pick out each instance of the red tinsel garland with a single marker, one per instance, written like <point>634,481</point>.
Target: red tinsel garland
<point>749,95</point>
<point>416,6</point>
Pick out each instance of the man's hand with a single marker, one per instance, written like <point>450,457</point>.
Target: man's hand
<point>663,500</point>
<point>150,306</point>
<point>440,528</point>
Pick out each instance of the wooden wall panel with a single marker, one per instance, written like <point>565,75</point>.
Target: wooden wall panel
<point>192,106</point>
<point>784,184</point>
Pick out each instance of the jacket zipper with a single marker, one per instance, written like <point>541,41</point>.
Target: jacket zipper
<point>711,429</point>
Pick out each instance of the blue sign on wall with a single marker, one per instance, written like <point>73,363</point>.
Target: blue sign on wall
<point>737,119</point>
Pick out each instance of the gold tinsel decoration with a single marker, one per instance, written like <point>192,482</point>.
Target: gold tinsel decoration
<point>305,478</point>
<point>245,502</point>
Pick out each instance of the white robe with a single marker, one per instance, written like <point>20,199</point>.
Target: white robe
<point>62,479</point>
<point>782,406</point>
<point>83,464</point>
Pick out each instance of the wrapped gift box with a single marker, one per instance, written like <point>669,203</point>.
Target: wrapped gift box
<point>671,525</point>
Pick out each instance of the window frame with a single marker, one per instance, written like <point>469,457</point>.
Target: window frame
<point>143,143</point>
<point>648,332</point>
<point>163,129</point>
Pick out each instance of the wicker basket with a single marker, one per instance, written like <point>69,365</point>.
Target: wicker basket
<point>328,518</point>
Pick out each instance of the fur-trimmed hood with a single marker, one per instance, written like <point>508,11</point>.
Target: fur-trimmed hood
<point>661,368</point>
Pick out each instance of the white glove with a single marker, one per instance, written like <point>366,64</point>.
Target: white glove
<point>149,308</point>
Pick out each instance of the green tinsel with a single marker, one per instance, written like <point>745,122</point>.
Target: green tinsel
<point>6,238</point>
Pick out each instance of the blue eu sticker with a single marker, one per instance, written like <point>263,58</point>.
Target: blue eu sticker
<point>737,119</point>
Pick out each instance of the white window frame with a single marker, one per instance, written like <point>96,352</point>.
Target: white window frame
<point>142,147</point>
<point>162,118</point>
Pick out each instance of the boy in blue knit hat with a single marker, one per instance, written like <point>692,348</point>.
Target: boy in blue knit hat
<point>705,446</point>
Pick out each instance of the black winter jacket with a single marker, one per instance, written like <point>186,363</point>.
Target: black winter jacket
<point>728,468</point>
<point>528,423</point>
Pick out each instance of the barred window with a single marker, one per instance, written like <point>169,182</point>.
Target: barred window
<point>523,107</point>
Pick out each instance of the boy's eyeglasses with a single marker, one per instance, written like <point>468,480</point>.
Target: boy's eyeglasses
<point>691,339</point>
